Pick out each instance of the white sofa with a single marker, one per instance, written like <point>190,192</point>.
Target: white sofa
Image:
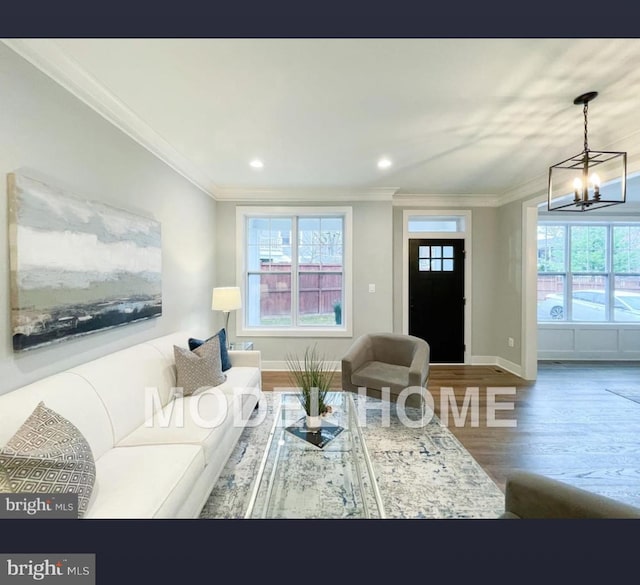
<point>146,467</point>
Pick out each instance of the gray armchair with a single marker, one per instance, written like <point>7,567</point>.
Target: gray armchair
<point>529,495</point>
<point>378,361</point>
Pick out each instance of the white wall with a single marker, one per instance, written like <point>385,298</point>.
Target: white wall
<point>372,264</point>
<point>49,134</point>
<point>484,309</point>
<point>507,293</point>
<point>588,341</point>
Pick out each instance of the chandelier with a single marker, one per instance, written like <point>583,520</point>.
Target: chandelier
<point>573,183</point>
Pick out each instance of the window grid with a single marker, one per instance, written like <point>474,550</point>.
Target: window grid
<point>608,272</point>
<point>316,250</point>
<point>435,258</point>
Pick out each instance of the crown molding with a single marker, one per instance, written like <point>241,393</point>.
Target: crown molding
<point>302,195</point>
<point>438,200</point>
<point>49,58</point>
<point>53,62</point>
<point>533,188</point>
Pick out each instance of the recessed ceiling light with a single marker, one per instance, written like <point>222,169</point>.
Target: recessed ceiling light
<point>256,163</point>
<point>384,163</point>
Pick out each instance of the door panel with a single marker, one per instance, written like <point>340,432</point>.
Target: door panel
<point>436,296</point>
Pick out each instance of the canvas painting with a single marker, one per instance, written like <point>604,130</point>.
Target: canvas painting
<point>77,266</point>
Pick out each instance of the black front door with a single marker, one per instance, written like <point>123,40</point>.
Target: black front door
<point>436,297</point>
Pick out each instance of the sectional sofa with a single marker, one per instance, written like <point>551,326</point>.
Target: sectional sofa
<point>157,455</point>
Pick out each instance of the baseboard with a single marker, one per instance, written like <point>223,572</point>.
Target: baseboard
<point>509,366</point>
<point>476,360</point>
<point>281,366</point>
<point>493,360</point>
<point>484,360</point>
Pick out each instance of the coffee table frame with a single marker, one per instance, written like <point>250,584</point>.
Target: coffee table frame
<point>356,440</point>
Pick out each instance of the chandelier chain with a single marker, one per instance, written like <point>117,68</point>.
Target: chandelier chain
<point>586,145</point>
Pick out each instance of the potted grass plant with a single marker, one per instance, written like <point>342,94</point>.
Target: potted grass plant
<point>312,376</point>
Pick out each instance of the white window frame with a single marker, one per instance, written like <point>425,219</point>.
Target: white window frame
<point>345,330</point>
<point>568,273</point>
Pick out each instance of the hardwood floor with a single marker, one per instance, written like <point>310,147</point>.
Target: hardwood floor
<point>568,425</point>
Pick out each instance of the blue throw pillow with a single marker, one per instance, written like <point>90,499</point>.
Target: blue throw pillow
<point>224,353</point>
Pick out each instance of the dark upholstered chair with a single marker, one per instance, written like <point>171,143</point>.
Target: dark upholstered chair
<point>378,361</point>
<point>529,495</point>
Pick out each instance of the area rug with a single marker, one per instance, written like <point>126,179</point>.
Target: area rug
<point>628,393</point>
<point>422,472</point>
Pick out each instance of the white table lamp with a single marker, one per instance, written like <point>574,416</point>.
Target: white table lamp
<point>226,299</point>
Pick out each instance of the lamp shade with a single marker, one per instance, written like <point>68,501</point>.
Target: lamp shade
<point>226,298</point>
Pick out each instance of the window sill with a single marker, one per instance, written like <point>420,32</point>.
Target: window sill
<point>296,332</point>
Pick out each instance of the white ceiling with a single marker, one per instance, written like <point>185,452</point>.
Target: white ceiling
<point>485,117</point>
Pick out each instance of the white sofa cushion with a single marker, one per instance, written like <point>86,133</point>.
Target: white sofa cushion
<point>165,343</point>
<point>145,482</point>
<point>243,377</point>
<point>121,380</point>
<point>203,419</point>
<point>68,394</point>
<point>246,358</point>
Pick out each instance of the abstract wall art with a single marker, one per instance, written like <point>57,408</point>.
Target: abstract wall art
<point>77,266</point>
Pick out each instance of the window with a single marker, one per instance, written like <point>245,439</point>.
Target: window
<point>588,272</point>
<point>295,270</point>
<point>419,223</point>
<point>435,259</point>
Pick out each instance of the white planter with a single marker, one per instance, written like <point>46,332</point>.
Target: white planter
<point>314,422</point>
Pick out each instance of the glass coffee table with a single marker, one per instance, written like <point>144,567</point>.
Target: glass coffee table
<point>298,479</point>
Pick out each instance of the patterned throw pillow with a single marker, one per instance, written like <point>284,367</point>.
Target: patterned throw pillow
<point>224,352</point>
<point>200,368</point>
<point>5,484</point>
<point>48,454</point>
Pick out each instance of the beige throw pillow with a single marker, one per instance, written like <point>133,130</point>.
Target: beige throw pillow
<point>5,484</point>
<point>200,368</point>
<point>48,454</point>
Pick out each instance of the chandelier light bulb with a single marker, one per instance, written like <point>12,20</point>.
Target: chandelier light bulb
<point>577,189</point>
<point>595,181</point>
